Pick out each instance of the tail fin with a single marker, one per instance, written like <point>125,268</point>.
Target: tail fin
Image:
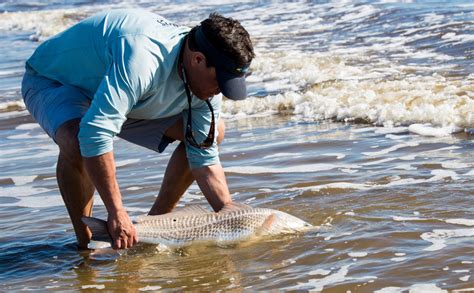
<point>98,228</point>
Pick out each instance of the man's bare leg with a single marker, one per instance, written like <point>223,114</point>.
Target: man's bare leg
<point>74,183</point>
<point>177,179</point>
<point>178,176</point>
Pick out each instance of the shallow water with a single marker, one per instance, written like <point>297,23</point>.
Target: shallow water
<point>328,135</point>
<point>393,209</point>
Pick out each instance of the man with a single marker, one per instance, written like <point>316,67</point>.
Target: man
<point>134,74</point>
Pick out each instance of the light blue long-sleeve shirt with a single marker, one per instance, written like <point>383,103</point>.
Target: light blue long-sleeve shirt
<point>126,61</point>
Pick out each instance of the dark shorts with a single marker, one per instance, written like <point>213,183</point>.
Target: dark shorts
<point>52,104</point>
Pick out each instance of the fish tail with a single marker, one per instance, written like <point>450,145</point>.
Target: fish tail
<point>98,228</point>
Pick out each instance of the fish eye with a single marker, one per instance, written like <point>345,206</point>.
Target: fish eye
<point>174,220</point>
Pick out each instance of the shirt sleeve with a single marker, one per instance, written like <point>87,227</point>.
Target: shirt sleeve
<point>202,116</point>
<point>128,77</point>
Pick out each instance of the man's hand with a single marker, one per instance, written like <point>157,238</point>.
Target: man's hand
<point>121,229</point>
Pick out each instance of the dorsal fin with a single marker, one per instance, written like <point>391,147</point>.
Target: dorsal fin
<point>234,206</point>
<point>191,210</point>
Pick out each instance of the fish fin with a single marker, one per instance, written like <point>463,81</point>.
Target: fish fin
<point>183,212</point>
<point>266,226</point>
<point>98,228</point>
<point>234,206</point>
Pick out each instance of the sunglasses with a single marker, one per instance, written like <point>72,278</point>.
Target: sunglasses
<point>189,136</point>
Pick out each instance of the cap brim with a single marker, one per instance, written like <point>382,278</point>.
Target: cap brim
<point>232,86</point>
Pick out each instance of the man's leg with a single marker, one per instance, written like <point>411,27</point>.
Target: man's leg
<point>178,176</point>
<point>74,183</point>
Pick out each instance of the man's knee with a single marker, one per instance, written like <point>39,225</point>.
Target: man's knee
<point>221,129</point>
<point>66,139</point>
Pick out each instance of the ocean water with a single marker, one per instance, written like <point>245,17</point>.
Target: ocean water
<point>359,121</point>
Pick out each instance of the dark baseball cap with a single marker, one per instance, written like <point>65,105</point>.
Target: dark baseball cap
<point>230,76</point>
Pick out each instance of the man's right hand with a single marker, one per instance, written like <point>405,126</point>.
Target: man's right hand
<point>124,234</point>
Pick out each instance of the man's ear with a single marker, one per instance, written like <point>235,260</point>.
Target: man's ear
<point>198,58</point>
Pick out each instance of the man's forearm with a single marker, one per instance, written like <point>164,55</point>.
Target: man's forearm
<point>212,182</point>
<point>101,169</point>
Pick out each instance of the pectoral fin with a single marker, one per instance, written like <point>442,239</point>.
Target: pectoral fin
<point>266,226</point>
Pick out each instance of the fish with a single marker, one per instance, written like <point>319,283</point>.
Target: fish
<point>195,224</point>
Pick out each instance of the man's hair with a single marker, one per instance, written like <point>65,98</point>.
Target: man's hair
<point>226,35</point>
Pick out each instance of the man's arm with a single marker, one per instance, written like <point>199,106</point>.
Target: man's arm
<point>212,182</point>
<point>101,170</point>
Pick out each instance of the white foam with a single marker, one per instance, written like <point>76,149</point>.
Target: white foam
<point>316,285</point>
<point>279,155</point>
<point>466,222</point>
<point>28,126</point>
<point>413,100</point>
<point>293,169</point>
<point>159,176</point>
<point>12,106</point>
<point>137,209</point>
<point>335,185</point>
<point>134,188</point>
<point>455,165</point>
<point>460,271</point>
<point>381,161</point>
<point>21,191</point>
<point>337,155</point>
<point>465,278</point>
<point>391,130</point>
<point>357,254</point>
<point>390,290</point>
<point>422,288</point>
<point>98,287</point>
<point>42,201</point>
<point>407,167</point>
<point>403,219</point>
<point>391,149</point>
<point>319,284</point>
<point>150,288</point>
<point>439,237</point>
<point>398,259</point>
<point>22,180</point>
<point>27,136</point>
<point>320,272</point>
<point>349,171</point>
<point>470,173</point>
<point>441,174</point>
<point>123,163</point>
<point>438,175</point>
<point>337,235</point>
<point>429,130</point>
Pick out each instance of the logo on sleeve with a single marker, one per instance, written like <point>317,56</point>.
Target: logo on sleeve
<point>165,22</point>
